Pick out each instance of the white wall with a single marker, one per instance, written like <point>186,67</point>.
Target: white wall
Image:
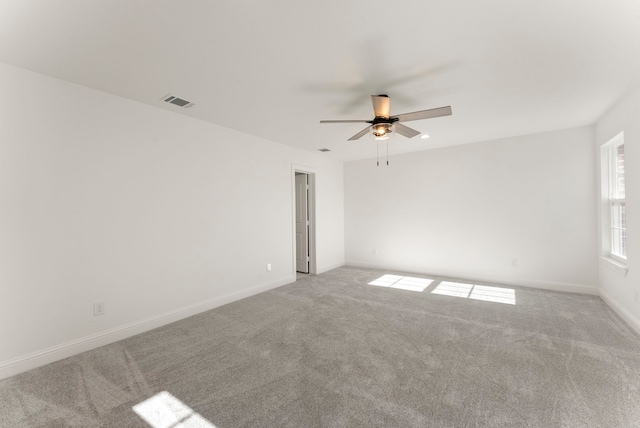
<point>155,214</point>
<point>617,290</point>
<point>465,211</point>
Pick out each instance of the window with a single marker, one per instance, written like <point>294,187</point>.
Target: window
<point>618,208</point>
<point>614,221</point>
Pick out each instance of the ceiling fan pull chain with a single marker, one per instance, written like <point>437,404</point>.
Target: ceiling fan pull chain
<point>377,153</point>
<point>387,153</point>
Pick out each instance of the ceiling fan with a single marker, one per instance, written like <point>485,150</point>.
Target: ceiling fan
<point>383,125</point>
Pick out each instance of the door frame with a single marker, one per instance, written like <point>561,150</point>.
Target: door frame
<point>311,175</point>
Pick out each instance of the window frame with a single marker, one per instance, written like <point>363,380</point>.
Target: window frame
<point>614,237</point>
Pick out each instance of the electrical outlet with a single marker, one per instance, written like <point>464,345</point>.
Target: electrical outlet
<point>269,267</point>
<point>98,309</point>
<point>514,263</point>
<point>374,252</point>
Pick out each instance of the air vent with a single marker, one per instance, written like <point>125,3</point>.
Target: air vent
<point>324,150</point>
<point>177,101</point>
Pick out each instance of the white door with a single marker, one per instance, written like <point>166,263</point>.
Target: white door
<point>302,224</point>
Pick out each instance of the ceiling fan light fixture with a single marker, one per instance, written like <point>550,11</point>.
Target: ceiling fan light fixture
<point>382,131</point>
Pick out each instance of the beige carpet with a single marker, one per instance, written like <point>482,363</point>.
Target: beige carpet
<point>333,351</point>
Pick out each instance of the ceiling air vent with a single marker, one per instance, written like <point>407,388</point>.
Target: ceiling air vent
<point>324,150</point>
<point>177,101</point>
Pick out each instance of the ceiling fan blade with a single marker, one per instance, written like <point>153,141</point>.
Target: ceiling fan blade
<point>359,134</point>
<point>381,105</point>
<point>405,130</point>
<point>345,121</point>
<point>424,114</point>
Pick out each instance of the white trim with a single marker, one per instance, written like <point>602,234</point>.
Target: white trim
<point>627,316</point>
<point>614,265</point>
<point>565,287</point>
<point>330,266</point>
<point>68,349</point>
<point>620,260</point>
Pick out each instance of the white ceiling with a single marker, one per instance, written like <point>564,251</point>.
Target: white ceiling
<point>275,68</point>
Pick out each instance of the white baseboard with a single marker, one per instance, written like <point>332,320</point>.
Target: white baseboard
<point>326,268</point>
<point>518,282</point>
<point>55,353</point>
<point>628,317</point>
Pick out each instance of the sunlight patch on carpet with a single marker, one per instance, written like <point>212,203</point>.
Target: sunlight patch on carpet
<point>402,282</point>
<point>163,410</point>
<point>477,292</point>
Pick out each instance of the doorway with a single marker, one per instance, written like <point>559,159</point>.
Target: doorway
<point>304,222</point>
